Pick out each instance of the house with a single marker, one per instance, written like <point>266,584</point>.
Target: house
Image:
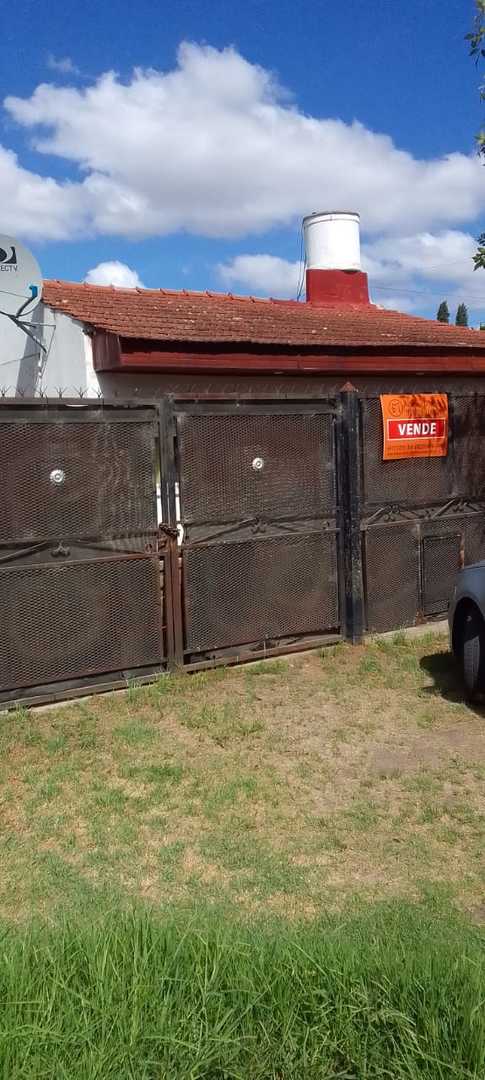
<point>282,521</point>
<point>141,343</point>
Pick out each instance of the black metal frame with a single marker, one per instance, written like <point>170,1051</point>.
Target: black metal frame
<point>349,476</point>
<point>168,479</point>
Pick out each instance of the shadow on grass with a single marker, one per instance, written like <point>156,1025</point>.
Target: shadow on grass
<point>448,681</point>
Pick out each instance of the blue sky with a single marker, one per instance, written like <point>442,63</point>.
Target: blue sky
<point>195,172</point>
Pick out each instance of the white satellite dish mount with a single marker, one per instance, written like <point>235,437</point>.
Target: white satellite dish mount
<point>20,285</point>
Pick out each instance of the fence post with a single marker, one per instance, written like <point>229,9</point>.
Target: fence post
<point>168,479</point>
<point>348,450</point>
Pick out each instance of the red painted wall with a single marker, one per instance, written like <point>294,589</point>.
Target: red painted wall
<point>337,287</point>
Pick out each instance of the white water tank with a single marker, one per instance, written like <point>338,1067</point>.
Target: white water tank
<point>332,240</point>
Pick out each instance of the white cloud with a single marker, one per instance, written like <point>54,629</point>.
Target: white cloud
<point>38,207</point>
<point>431,266</point>
<point>114,273</point>
<point>443,256</point>
<point>264,274</point>
<point>395,302</point>
<point>63,65</point>
<point>214,147</point>
<point>405,272</point>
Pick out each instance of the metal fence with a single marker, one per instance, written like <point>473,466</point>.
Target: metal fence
<point>134,538</point>
<point>421,518</point>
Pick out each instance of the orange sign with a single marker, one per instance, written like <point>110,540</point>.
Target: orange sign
<point>415,425</point>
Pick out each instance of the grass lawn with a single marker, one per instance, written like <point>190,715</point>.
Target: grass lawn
<point>265,873</point>
<point>288,788</point>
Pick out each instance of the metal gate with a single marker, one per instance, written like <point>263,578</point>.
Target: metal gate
<point>258,520</point>
<point>421,518</point>
<point>279,527</point>
<point>80,574</point>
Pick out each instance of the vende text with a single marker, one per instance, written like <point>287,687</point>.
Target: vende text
<point>416,429</point>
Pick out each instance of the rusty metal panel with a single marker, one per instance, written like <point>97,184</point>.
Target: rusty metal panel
<point>392,576</point>
<point>219,478</point>
<point>259,590</point>
<point>106,471</point>
<point>78,619</point>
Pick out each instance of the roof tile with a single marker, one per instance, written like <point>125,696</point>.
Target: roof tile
<point>207,317</point>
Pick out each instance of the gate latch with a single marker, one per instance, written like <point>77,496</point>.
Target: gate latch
<point>166,533</point>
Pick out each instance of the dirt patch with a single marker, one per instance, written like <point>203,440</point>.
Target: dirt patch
<point>464,741</point>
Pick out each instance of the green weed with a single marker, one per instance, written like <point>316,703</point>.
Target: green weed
<point>390,992</point>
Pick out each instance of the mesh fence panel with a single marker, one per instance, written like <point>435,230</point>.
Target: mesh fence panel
<point>392,555</point>
<point>441,562</point>
<point>254,591</point>
<point>474,528</point>
<point>219,483</point>
<point>392,576</point>
<point>468,418</point>
<point>471,528</point>
<point>77,619</point>
<point>108,489</point>
<point>410,480</point>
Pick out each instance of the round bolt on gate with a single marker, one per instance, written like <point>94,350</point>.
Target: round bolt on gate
<point>257,464</point>
<point>57,476</point>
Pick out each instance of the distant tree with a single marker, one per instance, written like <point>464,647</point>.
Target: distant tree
<point>443,313</point>
<point>461,315</point>
<point>477,49</point>
<point>479,256</point>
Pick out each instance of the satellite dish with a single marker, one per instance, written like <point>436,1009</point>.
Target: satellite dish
<point>20,278</point>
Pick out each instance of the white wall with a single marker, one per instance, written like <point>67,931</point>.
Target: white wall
<point>65,366</point>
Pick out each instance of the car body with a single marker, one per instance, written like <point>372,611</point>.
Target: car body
<point>466,620</point>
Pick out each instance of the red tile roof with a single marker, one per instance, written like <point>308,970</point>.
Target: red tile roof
<point>161,315</point>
